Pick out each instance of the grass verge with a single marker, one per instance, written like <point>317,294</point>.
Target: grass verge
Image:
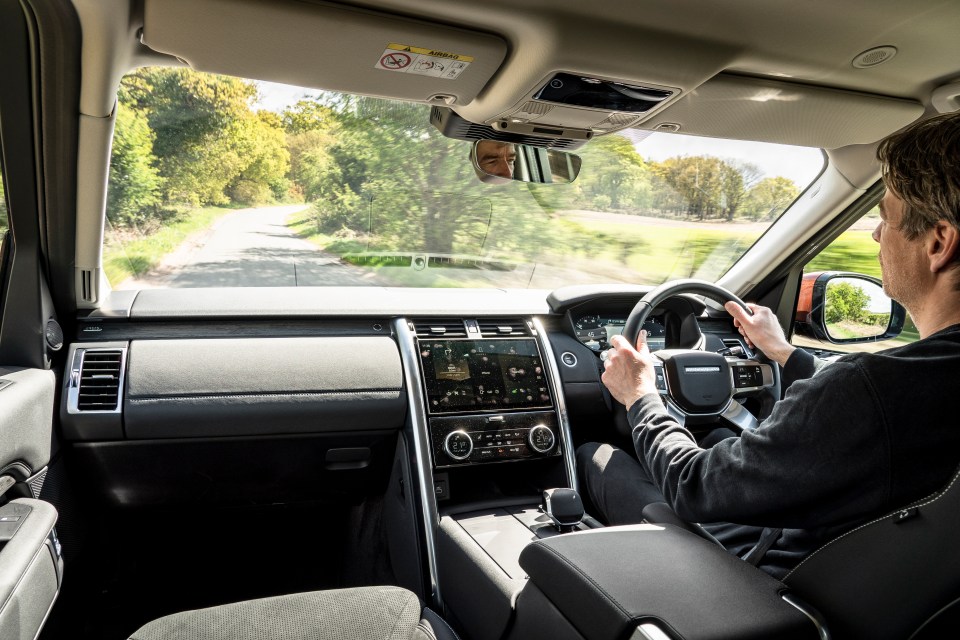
<point>132,252</point>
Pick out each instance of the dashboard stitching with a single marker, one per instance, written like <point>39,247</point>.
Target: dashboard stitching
<point>280,394</point>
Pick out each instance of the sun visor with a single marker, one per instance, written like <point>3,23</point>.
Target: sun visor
<point>746,108</point>
<point>325,46</point>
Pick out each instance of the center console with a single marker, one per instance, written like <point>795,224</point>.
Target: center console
<point>488,400</point>
<point>496,437</point>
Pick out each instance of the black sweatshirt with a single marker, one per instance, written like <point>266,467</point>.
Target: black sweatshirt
<point>849,442</point>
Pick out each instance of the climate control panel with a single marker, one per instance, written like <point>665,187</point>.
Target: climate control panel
<point>494,438</point>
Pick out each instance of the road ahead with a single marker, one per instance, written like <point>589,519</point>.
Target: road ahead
<point>250,248</point>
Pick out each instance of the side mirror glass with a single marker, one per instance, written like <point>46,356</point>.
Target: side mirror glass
<point>497,162</point>
<point>845,308</point>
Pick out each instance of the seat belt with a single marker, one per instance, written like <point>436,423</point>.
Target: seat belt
<point>767,540</point>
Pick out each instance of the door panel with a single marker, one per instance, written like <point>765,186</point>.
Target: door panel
<point>26,420</point>
<point>30,562</point>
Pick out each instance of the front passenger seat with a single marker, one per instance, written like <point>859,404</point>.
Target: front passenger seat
<point>374,613</point>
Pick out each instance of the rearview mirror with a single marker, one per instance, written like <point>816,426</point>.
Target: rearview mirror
<point>845,308</point>
<point>497,162</point>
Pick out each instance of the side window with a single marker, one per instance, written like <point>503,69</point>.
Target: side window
<point>4,225</point>
<point>854,251</point>
<point>4,222</point>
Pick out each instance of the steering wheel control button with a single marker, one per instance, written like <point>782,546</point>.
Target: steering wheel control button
<point>747,376</point>
<point>568,359</point>
<point>458,445</point>
<point>541,439</point>
<point>661,379</point>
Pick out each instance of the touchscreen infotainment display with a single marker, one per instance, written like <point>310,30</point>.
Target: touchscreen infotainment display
<point>464,375</point>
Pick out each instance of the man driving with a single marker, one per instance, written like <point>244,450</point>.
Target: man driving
<point>494,160</point>
<point>864,436</point>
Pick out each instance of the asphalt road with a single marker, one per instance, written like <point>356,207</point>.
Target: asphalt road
<point>250,248</point>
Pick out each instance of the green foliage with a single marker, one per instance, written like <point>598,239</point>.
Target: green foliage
<point>698,181</point>
<point>210,147</point>
<point>853,251</point>
<point>379,177</point>
<point>263,144</point>
<point>133,190</point>
<point>131,252</point>
<point>845,301</point>
<point>613,176</point>
<point>3,208</point>
<point>308,115</point>
<point>189,138</point>
<point>735,180</point>
<point>770,198</point>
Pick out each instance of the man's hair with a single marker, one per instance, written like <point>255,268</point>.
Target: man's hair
<point>921,165</point>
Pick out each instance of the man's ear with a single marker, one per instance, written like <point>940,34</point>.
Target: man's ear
<point>943,245</point>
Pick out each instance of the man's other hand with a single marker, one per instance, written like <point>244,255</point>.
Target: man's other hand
<point>629,373</point>
<point>761,330</point>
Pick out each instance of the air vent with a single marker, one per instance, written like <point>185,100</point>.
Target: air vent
<point>503,327</point>
<point>100,375</point>
<point>448,327</point>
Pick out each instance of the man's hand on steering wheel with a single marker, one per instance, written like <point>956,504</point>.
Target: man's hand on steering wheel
<point>762,331</point>
<point>696,386</point>
<point>629,373</point>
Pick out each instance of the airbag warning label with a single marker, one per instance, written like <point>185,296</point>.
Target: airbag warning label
<point>419,61</point>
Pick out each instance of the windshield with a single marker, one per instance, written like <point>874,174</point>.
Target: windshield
<point>218,181</point>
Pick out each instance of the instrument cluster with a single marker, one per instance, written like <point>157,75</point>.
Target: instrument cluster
<point>595,331</point>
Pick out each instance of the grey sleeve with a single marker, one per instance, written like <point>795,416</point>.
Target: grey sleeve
<point>821,457</point>
<point>801,365</point>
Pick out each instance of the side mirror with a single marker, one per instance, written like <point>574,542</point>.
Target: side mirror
<point>846,308</point>
<point>497,162</point>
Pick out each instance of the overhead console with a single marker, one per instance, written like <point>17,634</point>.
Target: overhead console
<point>577,105</point>
<point>564,111</point>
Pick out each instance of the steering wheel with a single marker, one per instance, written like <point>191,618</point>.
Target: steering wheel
<point>700,387</point>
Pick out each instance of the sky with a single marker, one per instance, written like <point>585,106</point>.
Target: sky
<point>277,97</point>
<point>799,164</point>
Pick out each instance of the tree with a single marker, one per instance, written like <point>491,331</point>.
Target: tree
<point>770,197</point>
<point>736,178</point>
<point>202,128</point>
<point>845,301</point>
<point>614,175</point>
<point>3,208</point>
<point>263,143</point>
<point>134,186</point>
<point>698,181</point>
<point>308,115</point>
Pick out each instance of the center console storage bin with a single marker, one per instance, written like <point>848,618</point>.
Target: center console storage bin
<point>603,584</point>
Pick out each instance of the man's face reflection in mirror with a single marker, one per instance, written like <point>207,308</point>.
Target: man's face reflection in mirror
<point>494,161</point>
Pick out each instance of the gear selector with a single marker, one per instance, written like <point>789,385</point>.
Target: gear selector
<point>563,507</point>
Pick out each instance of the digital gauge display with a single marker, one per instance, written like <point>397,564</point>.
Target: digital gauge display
<point>596,331</point>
